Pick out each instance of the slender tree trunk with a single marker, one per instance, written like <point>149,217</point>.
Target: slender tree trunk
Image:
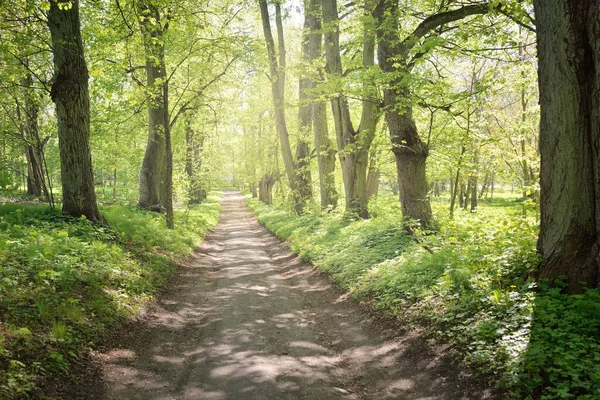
<point>318,109</point>
<point>474,190</point>
<point>34,152</point>
<point>568,34</point>
<point>485,186</point>
<point>466,194</point>
<point>70,94</point>
<point>373,176</point>
<point>114,192</point>
<point>473,182</point>
<point>277,86</point>
<point>194,146</point>
<point>153,175</point>
<point>454,192</point>
<point>170,217</point>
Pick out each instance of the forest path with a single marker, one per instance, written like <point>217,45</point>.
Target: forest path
<point>246,319</point>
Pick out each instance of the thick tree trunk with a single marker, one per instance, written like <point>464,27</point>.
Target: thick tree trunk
<point>154,166</point>
<point>353,145</point>
<point>277,79</point>
<point>325,156</point>
<point>265,188</point>
<point>70,94</point>
<point>568,33</point>
<point>395,56</point>
<point>409,150</point>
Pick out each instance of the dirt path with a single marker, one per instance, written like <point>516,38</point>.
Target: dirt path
<point>245,319</point>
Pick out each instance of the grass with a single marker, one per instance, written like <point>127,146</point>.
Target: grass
<point>476,290</point>
<point>66,282</point>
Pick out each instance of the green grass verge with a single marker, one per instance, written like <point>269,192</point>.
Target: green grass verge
<point>475,290</point>
<point>64,282</point>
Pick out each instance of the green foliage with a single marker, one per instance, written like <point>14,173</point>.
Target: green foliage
<point>563,358</point>
<point>471,284</point>
<point>65,282</point>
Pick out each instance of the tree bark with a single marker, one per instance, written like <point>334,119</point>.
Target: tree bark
<point>71,96</point>
<point>193,162</point>
<point>153,175</point>
<point>325,156</point>
<point>277,87</point>
<point>395,59</point>
<point>306,85</point>
<point>409,150</point>
<point>373,176</point>
<point>353,145</point>
<point>170,217</point>
<point>34,148</point>
<point>312,50</point>
<point>569,78</point>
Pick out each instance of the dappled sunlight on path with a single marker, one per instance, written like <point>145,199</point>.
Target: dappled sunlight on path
<point>246,319</point>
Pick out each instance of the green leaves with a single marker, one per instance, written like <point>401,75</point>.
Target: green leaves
<point>65,281</point>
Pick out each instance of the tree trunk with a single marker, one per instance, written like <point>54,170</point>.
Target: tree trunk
<point>265,188</point>
<point>409,150</point>
<point>318,109</point>
<point>473,181</point>
<point>70,94</point>
<point>353,145</point>
<point>473,185</point>
<point>568,34</point>
<point>34,152</point>
<point>325,156</point>
<point>194,147</point>
<point>454,191</point>
<point>277,79</point>
<point>170,217</point>
<point>485,186</point>
<point>114,191</point>
<point>154,166</point>
<point>373,176</point>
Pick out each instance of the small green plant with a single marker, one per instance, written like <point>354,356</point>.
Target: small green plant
<point>471,284</point>
<point>65,282</point>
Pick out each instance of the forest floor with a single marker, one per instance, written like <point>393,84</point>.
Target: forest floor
<point>245,318</point>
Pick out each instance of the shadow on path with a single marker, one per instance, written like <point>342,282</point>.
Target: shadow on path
<point>246,319</point>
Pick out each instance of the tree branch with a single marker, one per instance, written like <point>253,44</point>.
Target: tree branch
<point>443,18</point>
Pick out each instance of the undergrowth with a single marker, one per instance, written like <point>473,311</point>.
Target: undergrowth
<point>471,283</point>
<point>65,282</point>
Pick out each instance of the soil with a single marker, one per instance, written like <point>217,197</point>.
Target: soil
<point>245,319</point>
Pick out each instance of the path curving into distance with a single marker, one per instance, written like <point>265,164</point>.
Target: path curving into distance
<point>245,319</point>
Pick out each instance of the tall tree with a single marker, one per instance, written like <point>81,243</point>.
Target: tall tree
<point>153,175</point>
<point>569,81</point>
<point>34,146</point>
<point>296,172</point>
<point>70,94</point>
<point>315,110</point>
<point>353,144</point>
<point>397,59</point>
